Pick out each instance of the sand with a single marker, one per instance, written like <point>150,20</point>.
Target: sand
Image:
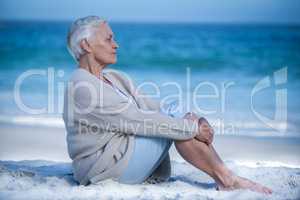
<point>34,164</point>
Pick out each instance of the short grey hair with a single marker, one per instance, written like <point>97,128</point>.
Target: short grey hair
<point>82,28</point>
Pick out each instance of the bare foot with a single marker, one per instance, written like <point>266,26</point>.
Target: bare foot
<point>238,182</point>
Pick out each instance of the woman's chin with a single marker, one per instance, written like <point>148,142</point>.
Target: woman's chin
<point>110,62</point>
<point>113,61</point>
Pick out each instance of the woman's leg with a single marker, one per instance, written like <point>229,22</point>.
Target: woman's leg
<point>162,173</point>
<point>147,156</point>
<point>205,158</point>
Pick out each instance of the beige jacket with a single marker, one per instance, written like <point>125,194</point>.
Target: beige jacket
<point>100,120</point>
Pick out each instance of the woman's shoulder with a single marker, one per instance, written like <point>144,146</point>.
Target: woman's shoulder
<point>83,82</point>
<point>86,88</point>
<point>80,74</point>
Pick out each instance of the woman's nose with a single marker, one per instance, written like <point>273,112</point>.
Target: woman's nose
<point>115,44</point>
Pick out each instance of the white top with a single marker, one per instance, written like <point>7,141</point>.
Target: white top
<point>121,93</point>
<point>169,109</point>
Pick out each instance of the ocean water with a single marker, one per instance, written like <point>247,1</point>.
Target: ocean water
<point>247,77</point>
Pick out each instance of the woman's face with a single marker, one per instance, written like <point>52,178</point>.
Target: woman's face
<point>103,46</point>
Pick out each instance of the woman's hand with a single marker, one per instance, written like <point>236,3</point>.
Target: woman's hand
<point>205,132</point>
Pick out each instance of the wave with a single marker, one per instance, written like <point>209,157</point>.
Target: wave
<point>54,122</point>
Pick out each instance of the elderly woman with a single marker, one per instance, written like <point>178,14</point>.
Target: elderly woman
<point>113,132</point>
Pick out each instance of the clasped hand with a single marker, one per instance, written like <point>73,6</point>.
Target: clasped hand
<point>205,131</point>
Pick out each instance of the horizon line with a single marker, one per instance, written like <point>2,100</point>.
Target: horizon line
<point>163,22</point>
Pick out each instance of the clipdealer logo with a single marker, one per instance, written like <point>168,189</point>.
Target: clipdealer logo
<point>279,122</point>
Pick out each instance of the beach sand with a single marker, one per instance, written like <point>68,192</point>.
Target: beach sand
<point>34,164</point>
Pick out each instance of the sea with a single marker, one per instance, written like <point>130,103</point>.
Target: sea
<point>244,78</point>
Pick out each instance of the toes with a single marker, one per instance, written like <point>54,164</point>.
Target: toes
<point>262,189</point>
<point>267,190</point>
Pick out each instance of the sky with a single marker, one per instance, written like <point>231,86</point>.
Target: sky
<point>233,11</point>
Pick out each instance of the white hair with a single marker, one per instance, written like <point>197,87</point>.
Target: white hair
<point>82,28</point>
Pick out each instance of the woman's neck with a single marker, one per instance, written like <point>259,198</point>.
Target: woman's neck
<point>89,63</point>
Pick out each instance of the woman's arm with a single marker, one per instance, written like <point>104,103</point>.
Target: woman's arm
<point>126,118</point>
<point>109,111</point>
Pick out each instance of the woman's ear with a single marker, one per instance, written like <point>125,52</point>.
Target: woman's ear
<point>85,46</point>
